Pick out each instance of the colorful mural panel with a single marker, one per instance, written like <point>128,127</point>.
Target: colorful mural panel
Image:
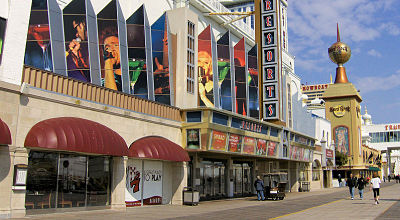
<point>272,148</point>
<point>249,145</point>
<point>261,147</point>
<point>205,69</point>
<point>252,68</point>
<point>161,71</point>
<point>110,60</point>
<point>218,141</point>
<point>137,54</point>
<point>235,143</point>
<point>342,139</point>
<point>38,46</point>
<point>240,77</point>
<point>224,72</point>
<point>76,41</point>
<point>134,178</point>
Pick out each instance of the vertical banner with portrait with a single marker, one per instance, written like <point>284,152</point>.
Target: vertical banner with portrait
<point>272,148</point>
<point>76,41</point>
<point>135,28</point>
<point>235,143</point>
<point>249,145</point>
<point>261,147</point>
<point>342,139</point>
<point>193,138</point>
<point>224,72</point>
<point>110,61</point>
<point>205,68</point>
<point>161,70</point>
<point>252,82</point>
<point>218,140</point>
<point>134,183</point>
<point>240,77</point>
<point>3,23</point>
<point>38,47</point>
<point>152,182</point>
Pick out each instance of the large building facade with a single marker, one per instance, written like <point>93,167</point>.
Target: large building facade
<point>124,103</point>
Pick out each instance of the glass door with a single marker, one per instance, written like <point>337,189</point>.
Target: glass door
<point>238,175</point>
<point>247,185</point>
<point>71,181</point>
<point>98,190</point>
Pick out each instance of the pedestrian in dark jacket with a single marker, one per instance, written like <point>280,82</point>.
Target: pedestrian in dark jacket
<point>259,185</point>
<point>351,183</point>
<point>361,182</point>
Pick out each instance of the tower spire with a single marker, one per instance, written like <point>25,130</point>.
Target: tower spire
<point>338,33</point>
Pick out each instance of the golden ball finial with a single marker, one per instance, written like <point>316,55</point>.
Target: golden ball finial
<point>339,52</point>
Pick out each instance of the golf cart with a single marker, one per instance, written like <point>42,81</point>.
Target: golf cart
<point>275,185</point>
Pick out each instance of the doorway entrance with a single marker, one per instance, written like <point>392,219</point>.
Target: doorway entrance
<point>212,180</point>
<point>242,184</point>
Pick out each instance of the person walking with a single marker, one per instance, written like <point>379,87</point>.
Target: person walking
<point>259,185</point>
<point>361,182</point>
<point>375,185</point>
<point>351,183</point>
<point>340,180</point>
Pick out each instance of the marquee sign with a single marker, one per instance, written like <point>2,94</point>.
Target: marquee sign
<point>392,127</point>
<point>270,58</point>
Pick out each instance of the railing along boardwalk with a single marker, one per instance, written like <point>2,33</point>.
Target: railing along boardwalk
<point>60,84</point>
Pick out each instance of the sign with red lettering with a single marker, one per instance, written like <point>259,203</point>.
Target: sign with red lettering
<point>269,55</point>
<point>270,91</point>
<point>320,87</point>
<point>134,178</point>
<point>392,127</point>
<point>271,110</point>
<point>235,143</point>
<point>152,182</point>
<point>267,6</point>
<point>218,141</point>
<point>269,72</point>
<point>329,153</point>
<point>269,38</point>
<point>249,145</point>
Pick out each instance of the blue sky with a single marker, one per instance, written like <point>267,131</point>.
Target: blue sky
<point>370,28</point>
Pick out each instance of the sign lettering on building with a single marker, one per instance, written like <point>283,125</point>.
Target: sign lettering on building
<point>392,127</point>
<point>321,87</point>
<point>270,58</point>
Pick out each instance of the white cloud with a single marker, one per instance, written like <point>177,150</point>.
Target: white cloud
<point>390,28</point>
<point>374,53</point>
<point>374,83</point>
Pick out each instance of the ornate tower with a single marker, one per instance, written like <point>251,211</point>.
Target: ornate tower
<point>342,108</point>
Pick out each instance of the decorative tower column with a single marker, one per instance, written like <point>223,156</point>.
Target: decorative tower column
<point>342,108</point>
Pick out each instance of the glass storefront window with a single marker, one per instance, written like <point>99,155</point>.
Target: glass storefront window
<point>41,184</point>
<point>67,180</point>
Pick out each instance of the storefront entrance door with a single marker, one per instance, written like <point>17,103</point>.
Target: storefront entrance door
<point>212,180</point>
<point>242,185</point>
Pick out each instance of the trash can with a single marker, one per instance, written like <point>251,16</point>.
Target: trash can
<point>190,196</point>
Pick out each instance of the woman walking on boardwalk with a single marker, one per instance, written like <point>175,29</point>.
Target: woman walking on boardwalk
<point>375,185</point>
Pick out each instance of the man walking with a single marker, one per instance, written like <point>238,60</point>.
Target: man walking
<point>259,185</point>
<point>351,183</point>
<point>361,184</point>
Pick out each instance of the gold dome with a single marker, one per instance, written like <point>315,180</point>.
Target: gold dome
<point>339,53</point>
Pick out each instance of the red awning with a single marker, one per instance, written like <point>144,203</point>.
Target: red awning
<point>154,147</point>
<point>77,135</point>
<point>5,134</point>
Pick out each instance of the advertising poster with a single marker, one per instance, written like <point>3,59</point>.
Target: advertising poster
<point>152,183</point>
<point>205,65</point>
<point>235,143</point>
<point>76,41</point>
<point>249,145</point>
<point>159,37</point>
<point>253,82</point>
<point>193,139</point>
<point>218,141</point>
<point>342,139</point>
<point>110,62</point>
<point>293,152</point>
<point>272,148</point>
<point>261,147</point>
<point>137,54</point>
<point>134,183</point>
<point>224,72</point>
<point>240,77</point>
<point>38,48</point>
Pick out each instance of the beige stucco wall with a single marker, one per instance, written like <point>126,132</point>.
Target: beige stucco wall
<point>22,111</point>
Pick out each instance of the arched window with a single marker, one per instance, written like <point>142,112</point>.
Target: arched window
<point>316,169</point>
